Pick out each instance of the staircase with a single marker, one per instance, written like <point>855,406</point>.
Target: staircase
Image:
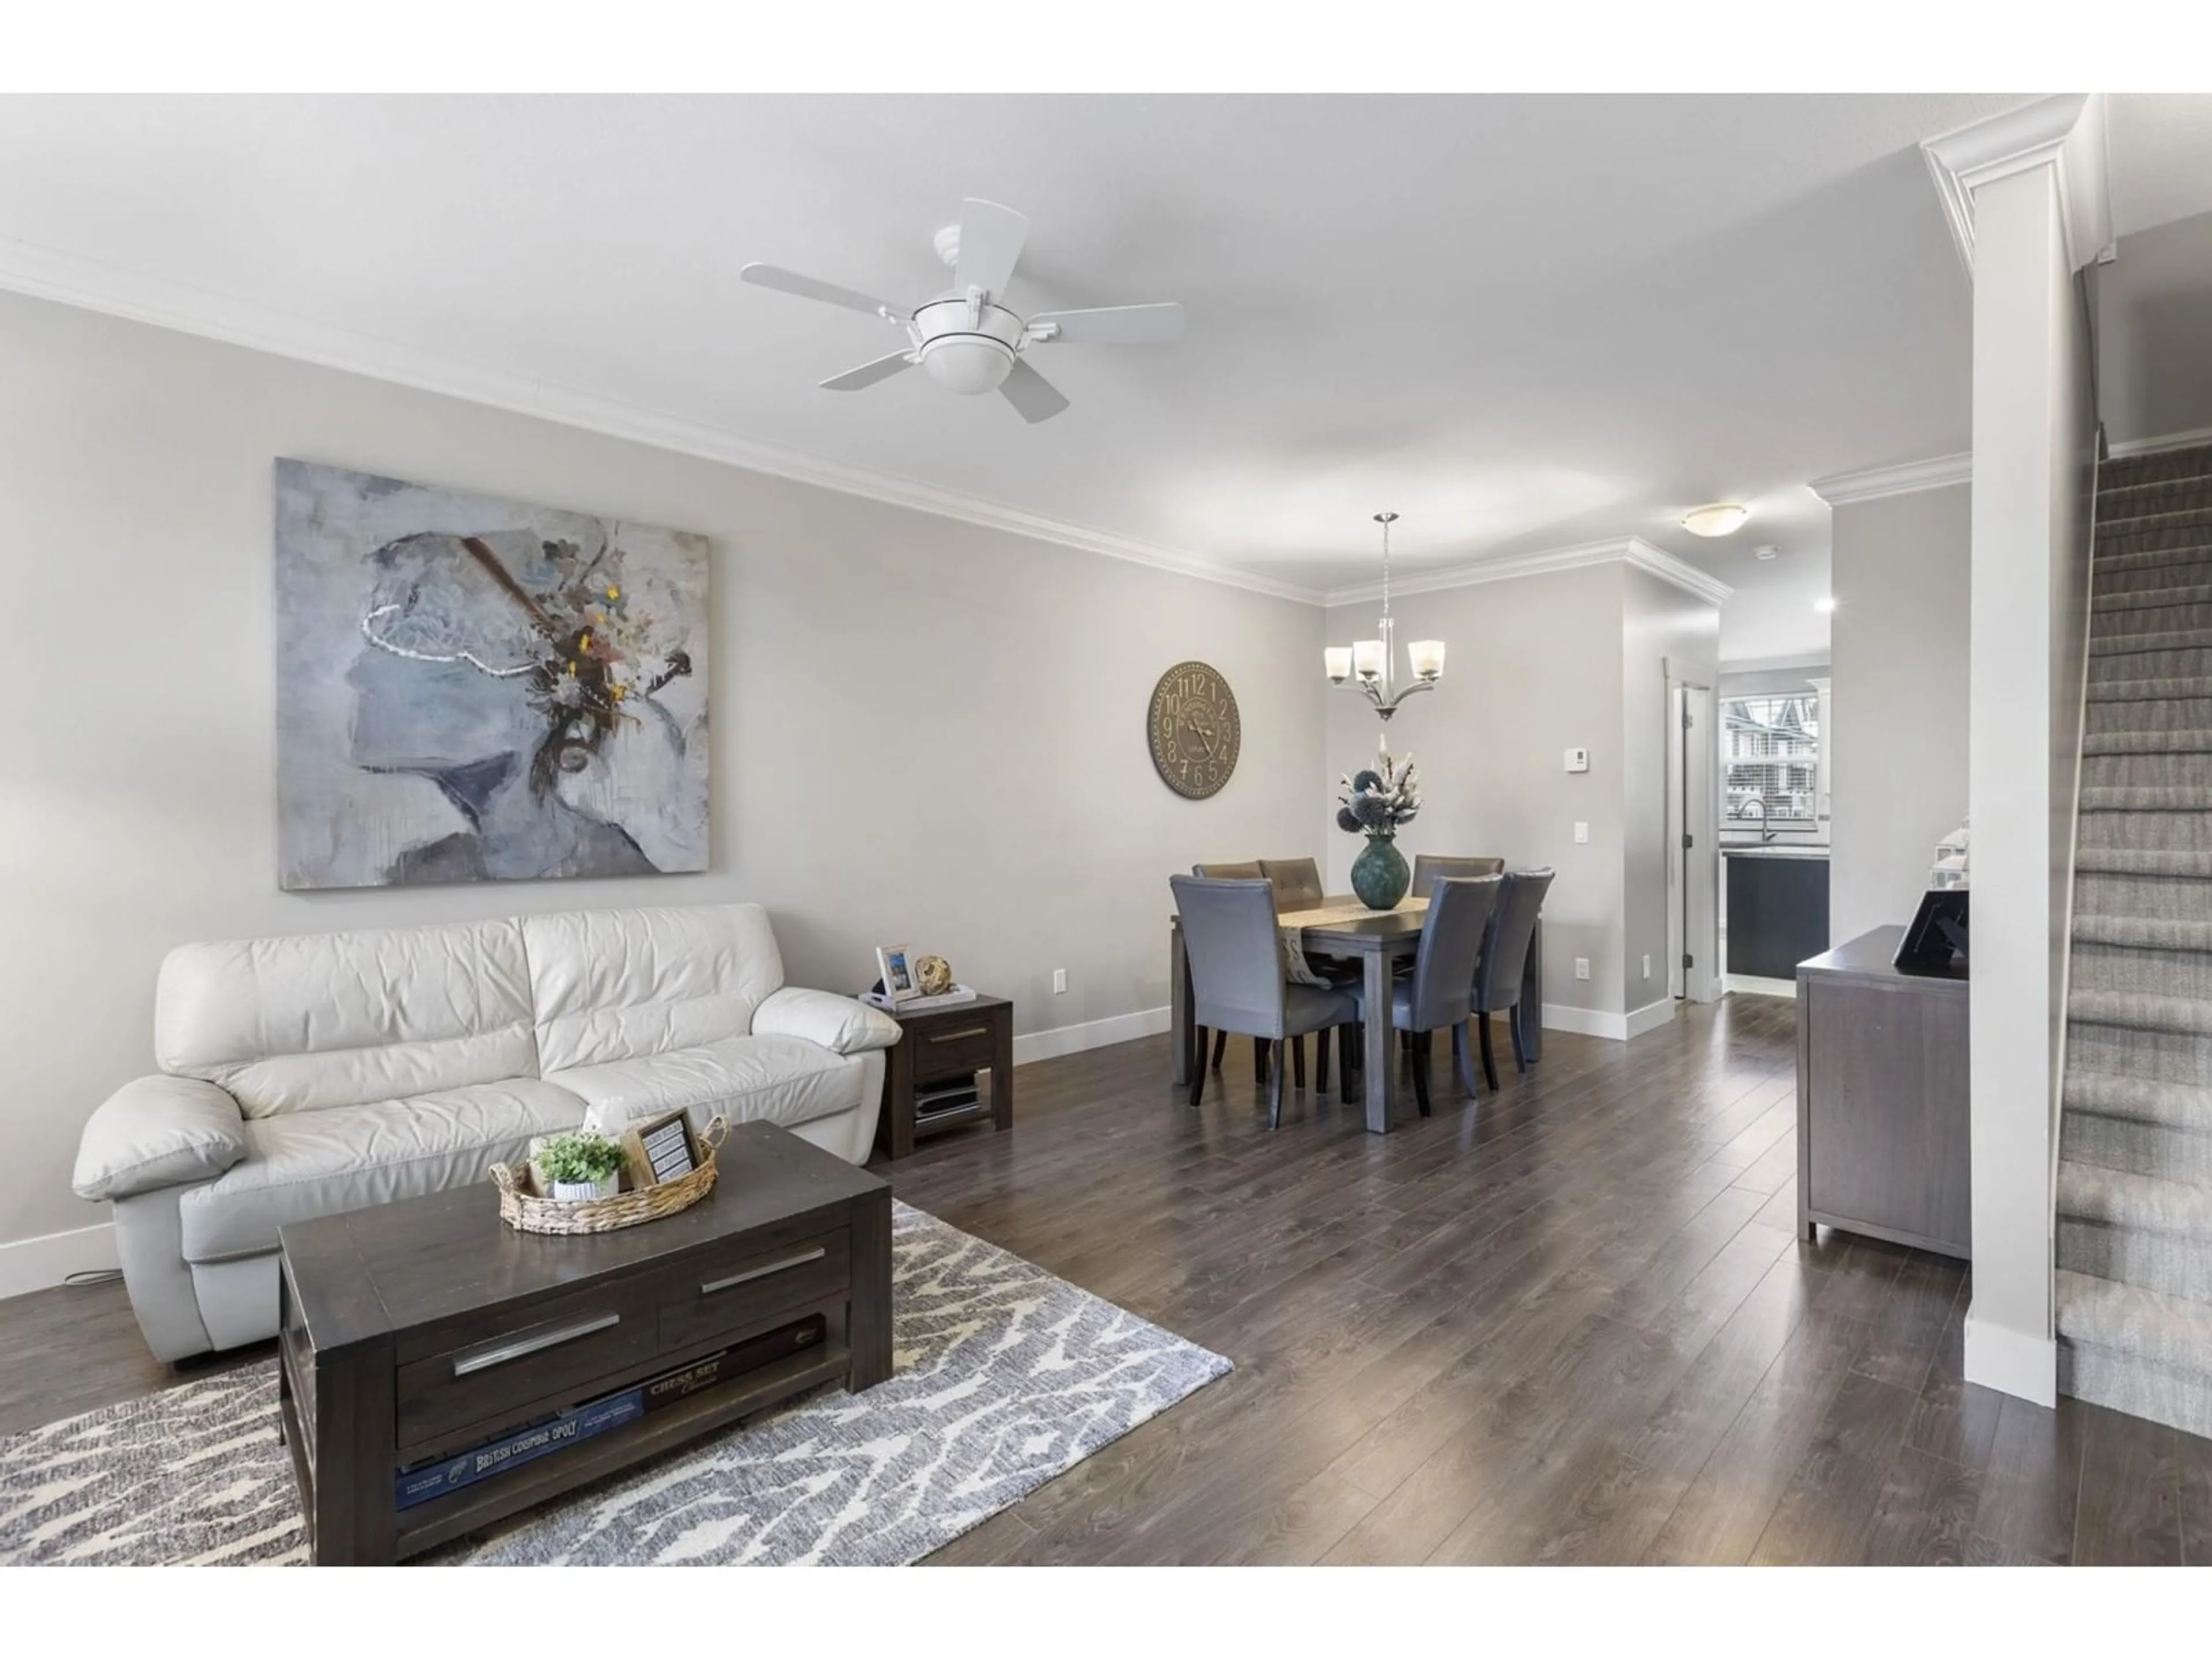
<point>2135,1172</point>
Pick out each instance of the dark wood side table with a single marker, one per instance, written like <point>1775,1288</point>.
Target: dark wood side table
<point>415,1331</point>
<point>943,1043</point>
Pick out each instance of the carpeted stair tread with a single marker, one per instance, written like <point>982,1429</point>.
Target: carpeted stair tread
<point>2183,461</point>
<point>2151,598</point>
<point>2169,1331</point>
<point>2114,1198</point>
<point>2143,933</point>
<point>2138,1100</point>
<point>2137,1011</point>
<point>2180,557</point>
<point>2150,691</point>
<point>2191,517</point>
<point>2166,863</point>
<point>2147,797</point>
<point>2129,645</point>
<point>2196,741</point>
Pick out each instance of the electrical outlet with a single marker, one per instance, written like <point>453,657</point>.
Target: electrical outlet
<point>1582,967</point>
<point>1577,760</point>
<point>1059,981</point>
<point>1581,835</point>
<point>1647,967</point>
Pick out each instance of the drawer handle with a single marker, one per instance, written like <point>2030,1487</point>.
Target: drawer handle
<point>498,1353</point>
<point>961,1036</point>
<point>764,1270</point>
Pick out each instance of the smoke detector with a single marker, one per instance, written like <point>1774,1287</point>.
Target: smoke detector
<point>1766,552</point>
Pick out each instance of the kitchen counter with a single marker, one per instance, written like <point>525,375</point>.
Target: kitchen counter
<point>1777,908</point>
<point>1756,850</point>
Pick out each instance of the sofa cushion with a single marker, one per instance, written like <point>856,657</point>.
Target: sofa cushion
<point>785,1080</point>
<point>303,1164</point>
<point>158,1131</point>
<point>615,985</point>
<point>313,1021</point>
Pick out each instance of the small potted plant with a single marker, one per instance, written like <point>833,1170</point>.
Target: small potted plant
<point>579,1164</point>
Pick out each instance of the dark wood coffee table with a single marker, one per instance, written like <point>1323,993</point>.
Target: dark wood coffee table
<point>416,1331</point>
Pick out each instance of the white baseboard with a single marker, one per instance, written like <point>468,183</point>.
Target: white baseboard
<point>1585,1022</point>
<point>37,1264</point>
<point>1093,1034</point>
<point>1649,1017</point>
<point>1752,985</point>
<point>2012,1362</point>
<point>2202,435</point>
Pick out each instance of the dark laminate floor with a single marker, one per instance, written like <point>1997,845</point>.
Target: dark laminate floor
<point>1568,1323</point>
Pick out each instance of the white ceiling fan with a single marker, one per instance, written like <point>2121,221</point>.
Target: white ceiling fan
<point>968,339</point>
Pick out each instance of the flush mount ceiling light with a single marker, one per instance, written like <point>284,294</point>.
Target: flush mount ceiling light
<point>1824,605</point>
<point>1722,518</point>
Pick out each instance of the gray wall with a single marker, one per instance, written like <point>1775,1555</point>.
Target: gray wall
<point>924,730</point>
<point>1535,669</point>
<point>2153,312</point>
<point>1664,631</point>
<point>1900,664</point>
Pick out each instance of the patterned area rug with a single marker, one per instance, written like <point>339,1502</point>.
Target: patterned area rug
<point>1004,1378</point>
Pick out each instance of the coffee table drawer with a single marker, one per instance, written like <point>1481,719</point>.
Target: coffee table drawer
<point>720,1297</point>
<point>529,1355</point>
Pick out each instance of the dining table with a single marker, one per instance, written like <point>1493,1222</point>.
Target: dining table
<point>1343,929</point>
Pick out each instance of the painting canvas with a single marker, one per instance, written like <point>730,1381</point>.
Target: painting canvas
<point>475,689</point>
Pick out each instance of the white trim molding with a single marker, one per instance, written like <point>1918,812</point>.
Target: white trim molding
<point>2066,134</point>
<point>1649,1017</point>
<point>1752,985</point>
<point>2202,435</point>
<point>1092,1034</point>
<point>2012,1362</point>
<point>1940,473</point>
<point>91,285</point>
<point>38,1264</point>
<point>1625,549</point>
<point>1807,660</point>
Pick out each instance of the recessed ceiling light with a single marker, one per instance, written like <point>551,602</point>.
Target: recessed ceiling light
<point>1766,552</point>
<point>1823,604</point>
<point>1722,518</point>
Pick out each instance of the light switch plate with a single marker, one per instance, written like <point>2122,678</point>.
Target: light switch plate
<point>1582,834</point>
<point>1577,760</point>
<point>1582,967</point>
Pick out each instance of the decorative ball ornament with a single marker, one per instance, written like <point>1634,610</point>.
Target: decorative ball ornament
<point>1194,730</point>
<point>933,976</point>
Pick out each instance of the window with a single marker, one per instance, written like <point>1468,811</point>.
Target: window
<point>1771,760</point>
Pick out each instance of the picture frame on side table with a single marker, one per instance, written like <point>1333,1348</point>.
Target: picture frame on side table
<point>894,964</point>
<point>661,1148</point>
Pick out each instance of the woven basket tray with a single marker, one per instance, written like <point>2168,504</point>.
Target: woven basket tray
<point>523,1207</point>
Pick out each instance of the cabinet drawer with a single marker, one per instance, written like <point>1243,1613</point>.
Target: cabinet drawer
<point>718,1299</point>
<point>526,1358</point>
<point>943,1049</point>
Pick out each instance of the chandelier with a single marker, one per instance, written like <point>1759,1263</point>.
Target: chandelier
<point>1372,662</point>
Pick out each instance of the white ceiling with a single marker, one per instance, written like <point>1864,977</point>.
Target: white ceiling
<point>1524,323</point>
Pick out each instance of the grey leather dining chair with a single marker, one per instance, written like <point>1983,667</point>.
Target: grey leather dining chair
<point>1429,868</point>
<point>1498,977</point>
<point>1296,882</point>
<point>1250,869</point>
<point>1235,953</point>
<point>1458,921</point>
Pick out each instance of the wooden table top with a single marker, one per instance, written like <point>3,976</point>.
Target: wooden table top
<point>394,1267</point>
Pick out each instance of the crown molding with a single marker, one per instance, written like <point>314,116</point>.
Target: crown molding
<point>91,285</point>
<point>2065,133</point>
<point>1627,550</point>
<point>1846,488</point>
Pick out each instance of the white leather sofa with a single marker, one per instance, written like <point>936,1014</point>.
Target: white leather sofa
<point>305,1075</point>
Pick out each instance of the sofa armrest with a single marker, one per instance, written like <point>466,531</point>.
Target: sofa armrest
<point>158,1131</point>
<point>845,1025</point>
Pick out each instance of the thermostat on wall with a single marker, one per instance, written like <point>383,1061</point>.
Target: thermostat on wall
<point>1577,760</point>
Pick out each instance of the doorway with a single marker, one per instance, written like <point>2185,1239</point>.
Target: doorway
<point>1693,838</point>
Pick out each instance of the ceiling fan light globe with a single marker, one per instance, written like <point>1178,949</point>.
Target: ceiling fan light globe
<point>970,364</point>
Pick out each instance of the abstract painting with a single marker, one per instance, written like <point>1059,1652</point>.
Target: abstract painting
<point>475,689</point>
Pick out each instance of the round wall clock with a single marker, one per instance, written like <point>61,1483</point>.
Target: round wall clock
<point>1194,730</point>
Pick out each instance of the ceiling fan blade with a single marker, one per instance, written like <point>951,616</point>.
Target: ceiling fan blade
<point>810,288</point>
<point>991,239</point>
<point>868,374</point>
<point>1029,393</point>
<point>1114,325</point>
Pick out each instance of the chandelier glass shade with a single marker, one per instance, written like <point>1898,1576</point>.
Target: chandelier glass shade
<point>1369,664</point>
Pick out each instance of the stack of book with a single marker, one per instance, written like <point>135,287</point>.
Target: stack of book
<point>952,1095</point>
<point>957,995</point>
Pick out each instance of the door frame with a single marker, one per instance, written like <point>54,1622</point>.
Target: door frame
<point>1692,833</point>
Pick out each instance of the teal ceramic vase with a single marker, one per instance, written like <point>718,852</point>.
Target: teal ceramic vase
<point>1379,874</point>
